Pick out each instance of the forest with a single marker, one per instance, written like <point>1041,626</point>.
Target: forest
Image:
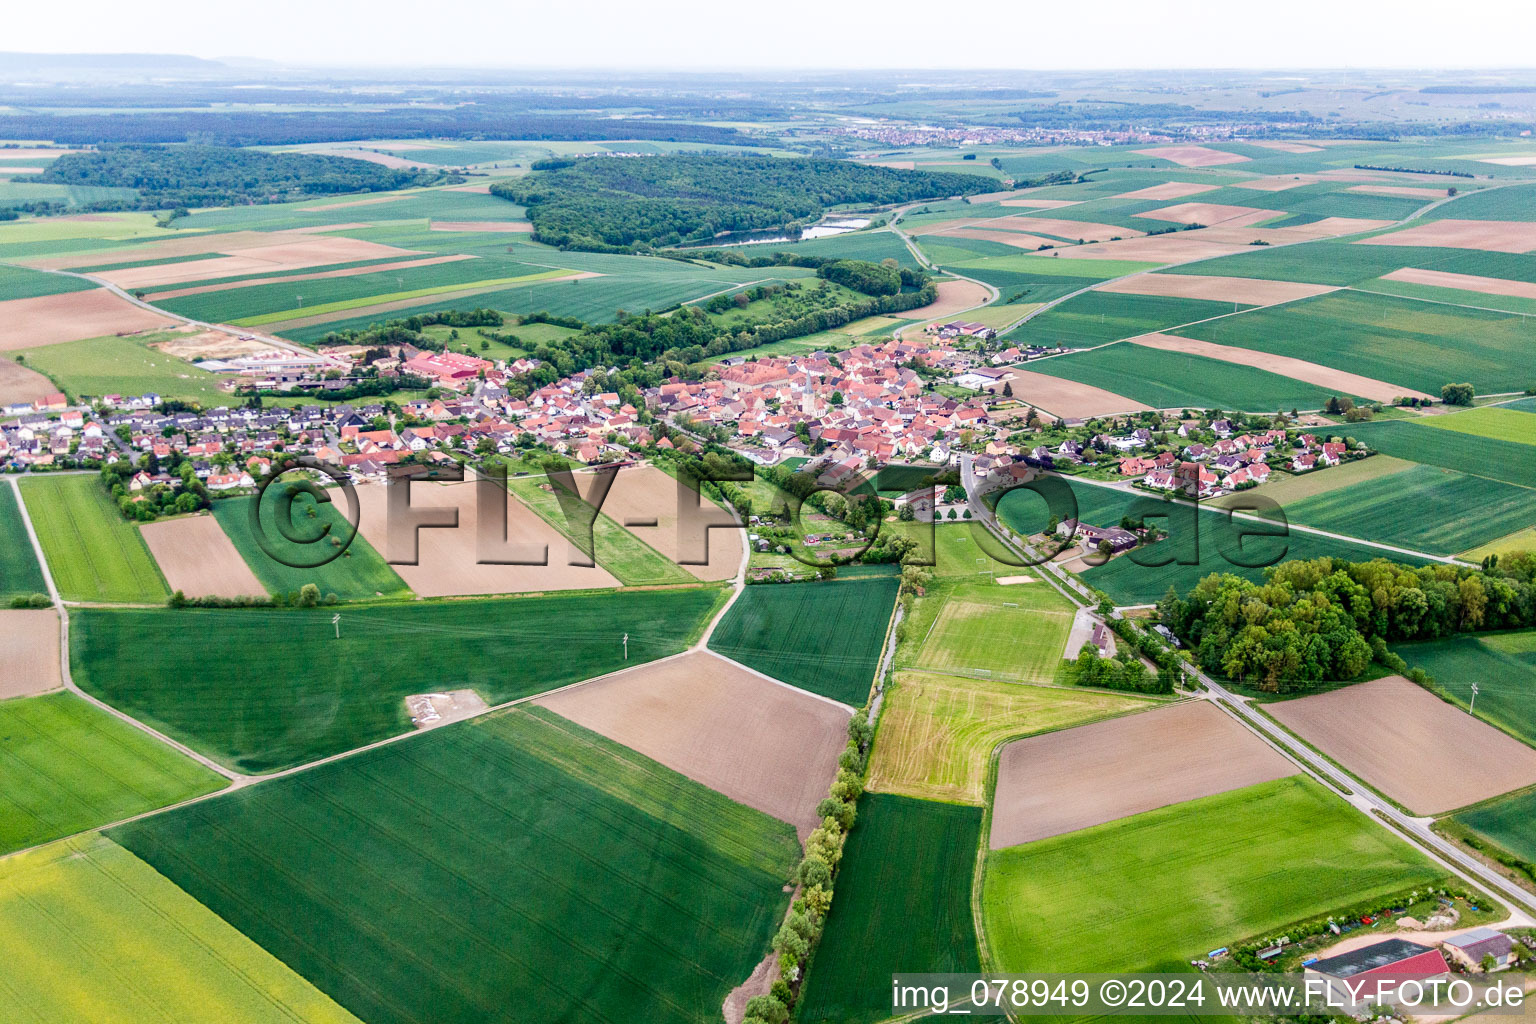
<point>186,176</point>
<point>612,203</point>
<point>1328,619</point>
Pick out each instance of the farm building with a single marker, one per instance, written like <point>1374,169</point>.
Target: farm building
<point>1364,973</point>
<point>1471,947</point>
<point>1091,536</point>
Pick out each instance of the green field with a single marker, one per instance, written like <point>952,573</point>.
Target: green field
<point>937,732</point>
<point>1156,889</point>
<point>92,551</point>
<point>1513,203</point>
<point>93,933</point>
<point>824,637</point>
<point>632,561</point>
<point>1094,318</point>
<point>1487,457</point>
<point>20,283</point>
<point>127,366</point>
<point>1175,380</point>
<point>873,245</point>
<point>1424,508</point>
<point>19,571</point>
<point>514,868</point>
<point>341,305</point>
<point>1455,296</point>
<point>1503,665</point>
<point>1499,423</point>
<point>359,574</point>
<point>277,689</point>
<point>1509,822</point>
<point>1014,633</point>
<point>66,766</point>
<point>1407,342</point>
<point>1343,263</point>
<point>903,905</point>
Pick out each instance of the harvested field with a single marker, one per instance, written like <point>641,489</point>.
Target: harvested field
<point>1406,191</point>
<point>198,559</point>
<point>481,225</point>
<point>1246,290</point>
<point>1464,282</point>
<point>1068,398</point>
<point>1168,190</point>
<point>20,384</point>
<point>760,743</point>
<point>954,297</point>
<point>1073,779</point>
<point>447,560</point>
<point>1428,755</point>
<point>211,345</point>
<point>1180,247</point>
<point>371,201</point>
<point>277,252</point>
<point>1211,214</point>
<point>1283,147</point>
<point>1341,381</point>
<point>645,494</point>
<point>1488,235</point>
<point>29,650</point>
<point>1193,156</point>
<point>372,268</point>
<point>51,319</point>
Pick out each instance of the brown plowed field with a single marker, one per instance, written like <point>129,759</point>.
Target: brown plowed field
<point>1428,755</point>
<point>1488,235</point>
<point>29,652</point>
<point>290,253</point>
<point>372,268</point>
<point>1068,398</point>
<point>199,560</point>
<point>51,319</point>
<point>643,493</point>
<point>19,384</point>
<point>1218,289</point>
<point>1193,156</point>
<point>1168,190</point>
<point>1210,214</point>
<point>1076,778</point>
<point>1466,282</point>
<point>761,743</point>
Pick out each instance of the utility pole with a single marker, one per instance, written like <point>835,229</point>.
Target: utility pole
<point>1473,705</point>
<point>336,621</point>
<point>626,646</point>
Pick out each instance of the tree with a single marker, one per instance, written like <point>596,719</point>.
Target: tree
<point>1007,389</point>
<point>837,398</point>
<point>309,596</point>
<point>1457,394</point>
<point>1105,548</point>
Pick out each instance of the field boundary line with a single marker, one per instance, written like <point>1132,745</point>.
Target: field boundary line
<point>1438,302</point>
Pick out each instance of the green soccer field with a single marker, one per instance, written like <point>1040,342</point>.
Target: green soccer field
<point>100,935</point>
<point>903,905</point>
<point>1161,887</point>
<point>517,867</point>
<point>264,688</point>
<point>1015,633</point>
<point>66,766</point>
<point>92,551</point>
<point>824,637</point>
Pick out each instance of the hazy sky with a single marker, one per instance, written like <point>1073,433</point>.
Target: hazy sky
<point>698,35</point>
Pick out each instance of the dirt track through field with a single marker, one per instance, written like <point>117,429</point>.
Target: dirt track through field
<point>1465,282</point>
<point>1068,398</point>
<point>760,743</point>
<point>51,319</point>
<point>1193,156</point>
<point>199,560</point>
<point>19,384</point>
<point>642,494</point>
<point>372,268</point>
<point>1426,754</point>
<point>1073,779</point>
<point>447,561</point>
<point>1250,291</point>
<point>1339,381</point>
<point>29,652</point>
<point>1488,235</point>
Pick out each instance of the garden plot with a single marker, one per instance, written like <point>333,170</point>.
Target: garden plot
<point>1073,779</point>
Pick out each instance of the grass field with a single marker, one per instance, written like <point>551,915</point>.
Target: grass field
<point>1455,296</point>
<point>1495,422</point>
<point>1424,508</point>
<point>1502,664</point>
<point>1524,540</point>
<point>1175,380</point>
<point>903,904</point>
<point>1342,263</point>
<point>112,365</point>
<point>364,301</point>
<point>1288,489</point>
<point>824,637</point>
<point>19,571</point>
<point>1487,457</point>
<point>962,550</point>
<point>1155,889</point>
<point>359,574</point>
<point>874,246</point>
<point>93,553</point>
<point>20,283</point>
<point>1014,633</point>
<point>1094,318</point>
<point>514,868</point>
<point>93,933</point>
<point>1507,822</point>
<point>632,561</point>
<point>938,732</point>
<point>277,689</point>
<point>1415,344</point>
<point>66,766</point>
